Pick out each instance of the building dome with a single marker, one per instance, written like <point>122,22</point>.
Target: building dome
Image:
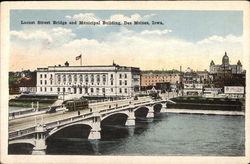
<point>212,63</point>
<point>239,63</point>
<point>225,59</point>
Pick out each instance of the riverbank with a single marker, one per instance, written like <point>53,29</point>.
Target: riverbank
<point>207,112</point>
<point>27,100</point>
<point>202,103</point>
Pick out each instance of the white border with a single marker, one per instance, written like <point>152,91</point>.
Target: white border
<point>111,5</point>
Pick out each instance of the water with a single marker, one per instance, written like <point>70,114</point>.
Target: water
<point>14,108</point>
<point>168,134</point>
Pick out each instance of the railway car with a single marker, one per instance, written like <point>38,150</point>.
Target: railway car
<point>75,105</point>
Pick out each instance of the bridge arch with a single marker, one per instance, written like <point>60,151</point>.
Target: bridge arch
<point>141,112</point>
<point>23,141</point>
<point>157,107</point>
<point>84,125</point>
<point>119,118</point>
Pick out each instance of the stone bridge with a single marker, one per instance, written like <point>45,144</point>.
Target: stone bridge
<point>92,122</point>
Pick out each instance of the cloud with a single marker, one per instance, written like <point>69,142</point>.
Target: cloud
<point>27,35</point>
<point>84,17</point>
<point>115,17</point>
<point>157,32</point>
<point>126,47</point>
<point>220,39</point>
<point>43,38</point>
<point>133,17</point>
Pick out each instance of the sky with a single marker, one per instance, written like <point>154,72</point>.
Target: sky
<point>184,38</point>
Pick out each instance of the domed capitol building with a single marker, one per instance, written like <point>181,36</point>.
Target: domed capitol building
<point>226,74</point>
<point>226,67</point>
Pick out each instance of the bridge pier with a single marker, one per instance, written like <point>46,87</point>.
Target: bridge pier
<point>96,128</point>
<point>150,115</point>
<point>40,145</point>
<point>131,118</point>
<point>164,107</point>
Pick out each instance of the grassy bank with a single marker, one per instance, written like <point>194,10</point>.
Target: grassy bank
<point>28,104</point>
<point>26,100</point>
<point>203,103</point>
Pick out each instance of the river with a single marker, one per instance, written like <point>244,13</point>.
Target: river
<point>168,134</point>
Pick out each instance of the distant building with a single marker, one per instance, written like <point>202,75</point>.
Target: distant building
<point>151,79</point>
<point>101,80</point>
<point>27,85</point>
<point>193,81</point>
<point>226,74</point>
<point>226,66</point>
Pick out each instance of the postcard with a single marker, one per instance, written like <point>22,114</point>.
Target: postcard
<point>125,82</point>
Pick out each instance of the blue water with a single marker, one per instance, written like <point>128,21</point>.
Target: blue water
<point>167,134</point>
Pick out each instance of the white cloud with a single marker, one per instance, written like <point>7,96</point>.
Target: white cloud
<point>129,48</point>
<point>44,37</point>
<point>157,32</point>
<point>27,35</point>
<point>84,17</point>
<point>115,17</point>
<point>62,31</point>
<point>220,39</point>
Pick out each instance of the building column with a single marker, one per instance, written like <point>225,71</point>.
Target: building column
<point>131,118</point>
<point>96,127</point>
<point>40,145</point>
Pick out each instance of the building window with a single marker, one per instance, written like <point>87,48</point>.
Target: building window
<point>45,76</point>
<point>125,82</point>
<point>70,78</point>
<point>103,78</point>
<point>41,75</point>
<point>98,78</point>
<point>75,78</point>
<point>41,89</point>
<point>45,82</point>
<point>91,90</point>
<point>120,90</point>
<point>120,82</point>
<point>97,90</point>
<point>58,89</point>
<point>120,76</point>
<point>86,79</point>
<point>111,76</point>
<point>50,82</point>
<point>125,90</point>
<point>64,78</point>
<point>41,82</point>
<point>80,90</point>
<point>59,78</point>
<point>51,89</point>
<point>81,78</point>
<point>92,79</point>
<point>68,89</point>
<point>125,76</point>
<point>51,76</point>
<point>74,90</point>
<point>112,90</point>
<point>45,89</point>
<point>63,90</point>
<point>103,90</point>
<point>111,82</point>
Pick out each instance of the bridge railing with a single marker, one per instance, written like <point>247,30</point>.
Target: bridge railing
<point>30,111</point>
<point>22,132</point>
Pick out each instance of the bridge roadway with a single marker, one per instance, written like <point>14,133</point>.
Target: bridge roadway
<point>21,123</point>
